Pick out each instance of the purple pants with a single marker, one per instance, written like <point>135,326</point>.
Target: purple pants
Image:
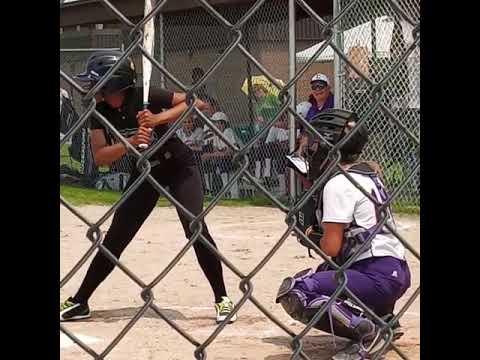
<point>378,281</point>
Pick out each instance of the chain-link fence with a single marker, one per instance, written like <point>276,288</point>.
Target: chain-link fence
<point>378,80</point>
<point>373,39</point>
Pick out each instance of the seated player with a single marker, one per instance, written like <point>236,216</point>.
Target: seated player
<point>217,155</point>
<point>276,148</point>
<point>191,134</point>
<point>344,219</point>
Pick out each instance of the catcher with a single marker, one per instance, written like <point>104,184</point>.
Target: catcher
<point>343,220</point>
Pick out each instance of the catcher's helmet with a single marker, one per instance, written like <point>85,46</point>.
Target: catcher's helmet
<point>100,62</point>
<point>333,125</point>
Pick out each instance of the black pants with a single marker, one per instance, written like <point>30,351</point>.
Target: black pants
<point>184,183</point>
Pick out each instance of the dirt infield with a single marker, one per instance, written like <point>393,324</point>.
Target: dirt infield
<point>244,236</point>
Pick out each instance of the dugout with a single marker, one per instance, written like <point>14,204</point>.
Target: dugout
<point>193,38</point>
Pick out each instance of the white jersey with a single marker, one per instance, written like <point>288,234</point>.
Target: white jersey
<point>276,134</point>
<point>218,143</point>
<point>194,139</point>
<point>344,203</point>
<point>63,94</point>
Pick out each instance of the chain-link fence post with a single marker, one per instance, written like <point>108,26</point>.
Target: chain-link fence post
<point>373,77</point>
<point>292,61</point>
<point>337,69</point>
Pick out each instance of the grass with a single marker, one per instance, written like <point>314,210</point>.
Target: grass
<point>65,158</point>
<point>403,208</point>
<point>79,196</point>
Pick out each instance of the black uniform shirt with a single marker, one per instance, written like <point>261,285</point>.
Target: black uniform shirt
<point>125,121</point>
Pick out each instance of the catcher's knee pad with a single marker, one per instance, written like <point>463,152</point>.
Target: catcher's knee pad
<point>293,300</point>
<point>294,305</point>
<point>342,318</point>
<point>289,282</point>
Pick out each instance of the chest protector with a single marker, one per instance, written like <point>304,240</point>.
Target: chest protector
<point>310,218</point>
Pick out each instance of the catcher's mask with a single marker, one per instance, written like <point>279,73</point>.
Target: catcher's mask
<point>334,125</point>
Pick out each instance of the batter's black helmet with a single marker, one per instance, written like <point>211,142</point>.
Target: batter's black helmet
<point>100,62</point>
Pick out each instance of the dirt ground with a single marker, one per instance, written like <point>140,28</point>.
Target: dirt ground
<point>244,236</point>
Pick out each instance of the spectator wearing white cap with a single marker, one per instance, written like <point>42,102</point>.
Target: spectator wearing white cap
<point>218,155</point>
<point>319,100</point>
<point>321,96</point>
<point>220,119</point>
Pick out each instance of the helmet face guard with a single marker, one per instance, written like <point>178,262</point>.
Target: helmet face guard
<point>318,149</point>
<point>333,125</point>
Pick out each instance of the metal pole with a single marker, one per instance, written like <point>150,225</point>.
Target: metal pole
<point>337,68</point>
<point>292,91</point>
<point>161,45</point>
<point>251,113</point>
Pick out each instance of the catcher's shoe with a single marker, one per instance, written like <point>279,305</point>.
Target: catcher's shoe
<point>364,349</point>
<point>368,349</point>
<point>224,308</point>
<point>397,328</point>
<point>71,310</point>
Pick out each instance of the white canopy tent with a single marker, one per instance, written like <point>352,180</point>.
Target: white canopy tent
<point>361,37</point>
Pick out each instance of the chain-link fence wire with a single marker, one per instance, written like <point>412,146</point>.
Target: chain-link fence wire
<point>185,48</point>
<point>375,89</point>
<point>374,37</point>
<point>76,157</point>
<point>188,50</point>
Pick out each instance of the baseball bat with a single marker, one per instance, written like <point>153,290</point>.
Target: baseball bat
<point>148,42</point>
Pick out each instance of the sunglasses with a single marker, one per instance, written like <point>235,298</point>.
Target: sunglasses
<point>319,87</point>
